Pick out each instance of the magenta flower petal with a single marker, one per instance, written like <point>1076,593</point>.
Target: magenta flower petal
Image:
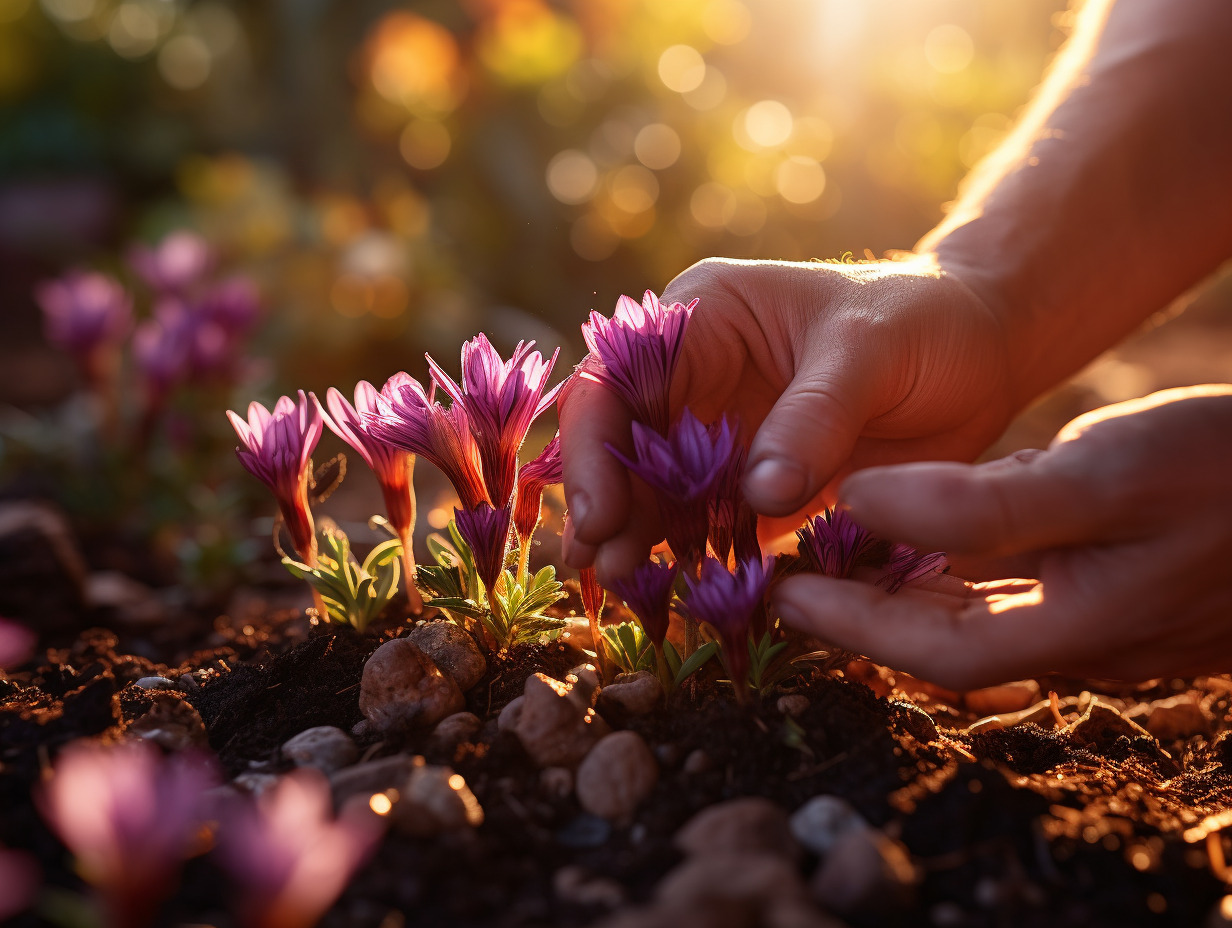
<point>638,349</point>
<point>834,544</point>
<point>84,311</point>
<point>683,469</point>
<point>486,530</point>
<point>16,644</point>
<point>175,264</point>
<point>907,566</point>
<point>648,592</point>
<point>501,399</point>
<point>533,477</point>
<point>728,602</point>
<point>410,418</point>
<point>277,449</point>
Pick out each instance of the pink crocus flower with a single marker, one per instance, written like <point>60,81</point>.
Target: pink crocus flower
<point>834,544</point>
<point>410,418</point>
<point>85,313</point>
<point>486,530</point>
<point>501,399</point>
<point>178,262</point>
<point>535,476</point>
<point>393,466</point>
<point>907,565</point>
<point>16,644</point>
<point>277,450</point>
<point>635,354</point>
<point>290,857</point>
<point>130,819</point>
<point>728,601</point>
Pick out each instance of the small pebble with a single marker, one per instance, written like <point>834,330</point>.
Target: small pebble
<point>749,878</point>
<point>452,650</point>
<point>402,688</point>
<point>373,776</point>
<point>253,783</point>
<point>324,747</point>
<point>821,822</point>
<point>556,782</point>
<point>171,722</point>
<point>585,831</point>
<point>866,875</point>
<point>1178,717</point>
<point>635,694</point>
<point>555,722</point>
<point>435,800</point>
<point>156,683</point>
<point>455,729</point>
<point>509,715</point>
<point>749,824</point>
<point>578,886</point>
<point>793,705</point>
<point>698,761</point>
<point>616,776</point>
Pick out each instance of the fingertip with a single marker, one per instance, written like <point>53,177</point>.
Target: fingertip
<point>597,489</point>
<point>575,553</point>
<point>777,486</point>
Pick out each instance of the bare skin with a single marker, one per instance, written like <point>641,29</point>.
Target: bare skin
<point>1111,198</point>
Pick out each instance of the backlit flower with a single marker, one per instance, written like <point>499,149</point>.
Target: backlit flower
<point>486,530</point>
<point>16,644</point>
<point>393,466</point>
<point>637,350</point>
<point>648,592</point>
<point>728,602</point>
<point>907,565</point>
<point>175,264</point>
<point>84,312</point>
<point>277,449</point>
<point>130,819</point>
<point>533,477</point>
<point>834,544</point>
<point>501,399</point>
<point>290,857</point>
<point>732,520</point>
<point>410,418</point>
<point>683,470</point>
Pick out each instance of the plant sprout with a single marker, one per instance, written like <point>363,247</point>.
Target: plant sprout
<point>353,593</point>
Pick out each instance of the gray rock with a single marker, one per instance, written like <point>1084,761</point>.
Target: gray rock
<point>751,825</point>
<point>254,783</point>
<point>760,880</point>
<point>698,761</point>
<point>156,683</point>
<point>555,722</point>
<point>865,874</point>
<point>616,776</point>
<point>455,729</point>
<point>635,694</point>
<point>452,650</point>
<point>510,714</point>
<point>822,821</point>
<point>324,747</point>
<point>373,776</point>
<point>435,800</point>
<point>403,688</point>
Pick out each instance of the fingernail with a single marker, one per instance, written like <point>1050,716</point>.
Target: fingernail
<point>579,507</point>
<point>778,482</point>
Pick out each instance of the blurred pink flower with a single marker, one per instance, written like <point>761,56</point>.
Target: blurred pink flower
<point>533,477</point>
<point>486,530</point>
<point>289,855</point>
<point>907,565</point>
<point>162,347</point>
<point>84,313</point>
<point>393,466</point>
<point>412,420</point>
<point>19,882</point>
<point>501,399</point>
<point>130,819</point>
<point>834,544</point>
<point>637,351</point>
<point>175,264</point>
<point>277,450</point>
<point>729,602</point>
<point>16,644</point>
<point>683,469</point>
<point>232,304</point>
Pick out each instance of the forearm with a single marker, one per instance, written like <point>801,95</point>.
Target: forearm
<point>1114,193</point>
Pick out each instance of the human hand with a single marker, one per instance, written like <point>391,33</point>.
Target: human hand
<point>829,367</point>
<point>1126,520</point>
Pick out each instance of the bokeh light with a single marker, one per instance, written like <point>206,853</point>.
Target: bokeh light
<point>949,48</point>
<point>572,176</point>
<point>682,68</point>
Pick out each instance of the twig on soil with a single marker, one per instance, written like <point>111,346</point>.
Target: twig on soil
<point>1055,705</point>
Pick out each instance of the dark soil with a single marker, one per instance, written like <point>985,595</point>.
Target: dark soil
<point>1021,826</point>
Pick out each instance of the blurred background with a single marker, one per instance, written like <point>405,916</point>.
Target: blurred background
<point>393,177</point>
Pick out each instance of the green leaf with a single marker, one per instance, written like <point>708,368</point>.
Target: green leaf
<point>696,660</point>
<point>384,553</point>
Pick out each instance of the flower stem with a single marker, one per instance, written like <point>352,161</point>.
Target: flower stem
<point>413,597</point>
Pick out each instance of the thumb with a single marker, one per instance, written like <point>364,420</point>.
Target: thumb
<point>1026,502</point>
<point>807,436</point>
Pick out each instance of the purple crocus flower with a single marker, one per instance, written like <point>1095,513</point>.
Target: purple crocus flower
<point>533,477</point>
<point>85,313</point>
<point>410,418</point>
<point>16,644</point>
<point>501,399</point>
<point>486,530</point>
<point>683,470</point>
<point>907,565</point>
<point>393,466</point>
<point>835,544</point>
<point>163,348</point>
<point>648,592</point>
<point>290,857</point>
<point>728,602</point>
<point>175,264</point>
<point>636,353</point>
<point>130,819</point>
<point>277,450</point>
<point>732,520</point>
<point>232,304</point>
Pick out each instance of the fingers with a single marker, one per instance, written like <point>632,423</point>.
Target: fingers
<point>1007,507</point>
<point>807,435</point>
<point>597,486</point>
<point>959,643</point>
